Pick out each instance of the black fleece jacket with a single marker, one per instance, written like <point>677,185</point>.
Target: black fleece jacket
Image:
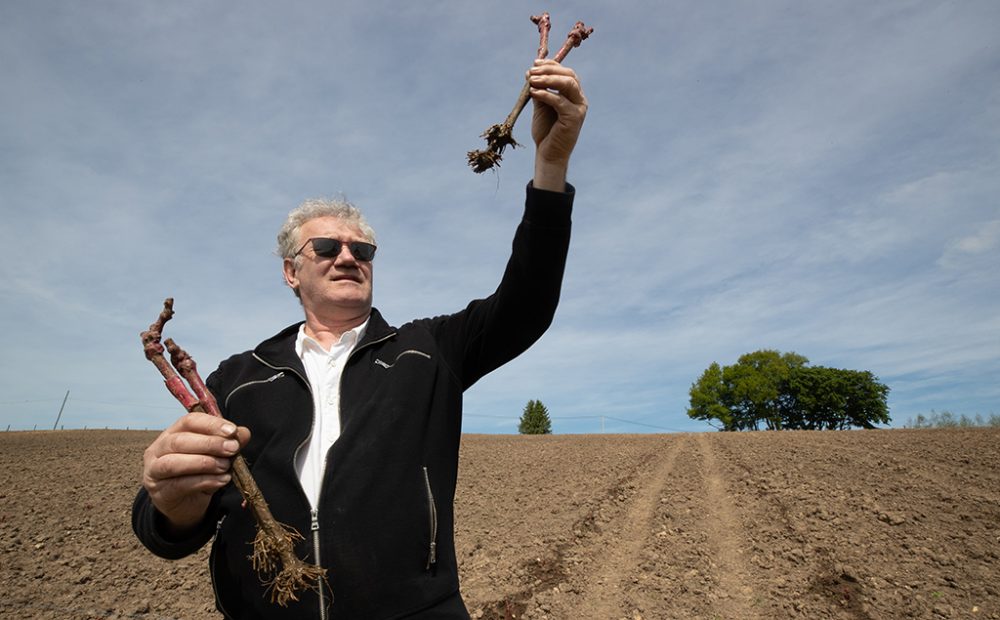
<point>384,526</point>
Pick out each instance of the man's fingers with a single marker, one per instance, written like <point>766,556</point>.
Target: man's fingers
<point>193,444</point>
<point>545,64</point>
<point>205,424</point>
<point>197,422</point>
<point>185,485</point>
<point>550,67</point>
<point>243,435</point>
<point>172,492</point>
<point>181,465</point>
<point>199,433</point>
<point>566,85</point>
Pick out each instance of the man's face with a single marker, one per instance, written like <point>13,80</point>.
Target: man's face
<point>337,285</point>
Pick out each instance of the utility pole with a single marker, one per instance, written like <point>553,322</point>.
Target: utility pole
<point>56,425</point>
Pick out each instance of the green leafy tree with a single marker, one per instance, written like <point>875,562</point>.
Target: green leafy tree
<point>780,390</point>
<point>710,399</point>
<point>747,394</point>
<point>837,399</point>
<point>535,419</point>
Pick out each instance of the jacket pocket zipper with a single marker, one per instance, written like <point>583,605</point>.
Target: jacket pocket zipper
<point>387,365</point>
<point>432,510</point>
<point>249,383</point>
<point>213,559</point>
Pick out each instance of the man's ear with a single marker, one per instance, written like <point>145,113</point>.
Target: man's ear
<point>291,278</point>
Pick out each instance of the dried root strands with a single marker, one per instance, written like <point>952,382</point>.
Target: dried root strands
<point>296,578</point>
<point>286,575</point>
<point>273,555</point>
<point>499,137</point>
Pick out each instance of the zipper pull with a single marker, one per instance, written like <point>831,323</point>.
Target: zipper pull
<point>314,526</point>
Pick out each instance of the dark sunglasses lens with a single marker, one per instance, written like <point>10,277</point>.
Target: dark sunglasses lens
<point>361,250</point>
<point>327,248</point>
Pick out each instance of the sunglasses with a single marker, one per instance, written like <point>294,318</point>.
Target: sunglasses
<point>325,247</point>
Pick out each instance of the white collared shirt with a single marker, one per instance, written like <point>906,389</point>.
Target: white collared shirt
<point>323,369</point>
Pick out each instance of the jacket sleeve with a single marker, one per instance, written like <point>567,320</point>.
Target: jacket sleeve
<point>492,331</point>
<point>148,525</point>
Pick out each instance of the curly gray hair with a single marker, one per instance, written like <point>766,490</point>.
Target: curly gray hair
<point>288,236</point>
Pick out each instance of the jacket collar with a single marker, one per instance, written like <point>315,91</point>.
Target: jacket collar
<point>279,349</point>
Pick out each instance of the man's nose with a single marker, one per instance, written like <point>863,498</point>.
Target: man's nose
<point>345,256</point>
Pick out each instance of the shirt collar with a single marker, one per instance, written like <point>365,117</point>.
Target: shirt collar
<point>348,339</point>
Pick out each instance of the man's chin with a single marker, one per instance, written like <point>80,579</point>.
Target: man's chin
<point>358,302</point>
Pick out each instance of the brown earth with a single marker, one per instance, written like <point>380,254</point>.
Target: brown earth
<point>847,525</point>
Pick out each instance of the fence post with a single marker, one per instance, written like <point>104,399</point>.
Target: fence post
<point>61,410</point>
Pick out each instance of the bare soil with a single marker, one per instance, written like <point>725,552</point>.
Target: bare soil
<point>812,525</point>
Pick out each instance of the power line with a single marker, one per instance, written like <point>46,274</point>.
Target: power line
<point>662,428</point>
<point>581,417</point>
<point>76,399</point>
<point>511,418</point>
<point>123,404</point>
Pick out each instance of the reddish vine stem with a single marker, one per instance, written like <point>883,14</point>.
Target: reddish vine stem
<point>576,36</point>
<point>499,137</point>
<point>274,545</point>
<point>544,24</point>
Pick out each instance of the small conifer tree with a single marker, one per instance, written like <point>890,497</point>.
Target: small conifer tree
<point>535,419</point>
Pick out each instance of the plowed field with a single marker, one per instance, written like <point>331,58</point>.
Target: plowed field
<point>846,525</point>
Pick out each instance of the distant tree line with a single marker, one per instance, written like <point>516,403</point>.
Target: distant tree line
<point>947,419</point>
<point>772,390</point>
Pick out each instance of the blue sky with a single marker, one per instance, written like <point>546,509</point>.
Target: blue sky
<point>814,177</point>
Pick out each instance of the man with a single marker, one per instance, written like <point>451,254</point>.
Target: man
<point>356,424</point>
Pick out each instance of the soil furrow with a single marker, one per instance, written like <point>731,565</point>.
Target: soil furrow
<point>616,554</point>
<point>727,536</point>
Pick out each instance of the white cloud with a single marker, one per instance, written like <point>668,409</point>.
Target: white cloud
<point>985,240</point>
<point>813,178</point>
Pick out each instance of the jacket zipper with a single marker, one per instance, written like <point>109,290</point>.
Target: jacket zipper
<point>432,510</point>
<point>314,525</point>
<point>340,416</point>
<point>314,513</point>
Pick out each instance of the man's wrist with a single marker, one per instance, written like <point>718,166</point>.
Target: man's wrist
<point>550,176</point>
<point>172,530</point>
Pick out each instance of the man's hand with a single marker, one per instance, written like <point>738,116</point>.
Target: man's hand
<point>560,109</point>
<point>189,462</point>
